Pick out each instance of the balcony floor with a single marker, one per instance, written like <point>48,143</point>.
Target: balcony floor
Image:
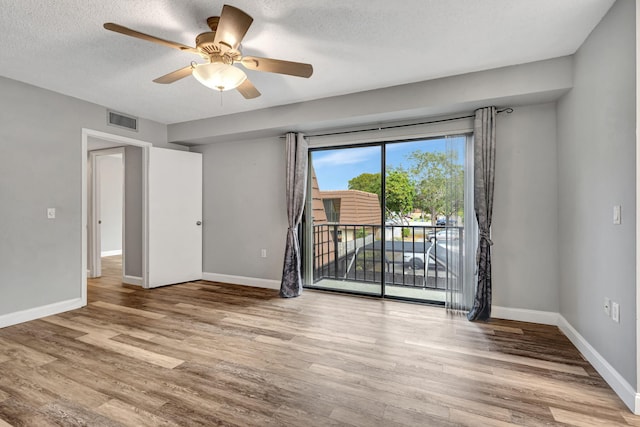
<point>418,293</point>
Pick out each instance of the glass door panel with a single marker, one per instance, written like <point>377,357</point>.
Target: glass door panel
<point>346,220</point>
<point>424,217</point>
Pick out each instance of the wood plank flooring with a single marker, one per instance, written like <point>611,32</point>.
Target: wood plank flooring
<point>205,353</point>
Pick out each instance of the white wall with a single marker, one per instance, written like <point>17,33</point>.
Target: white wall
<point>525,212</point>
<point>111,173</point>
<point>596,163</point>
<point>40,167</point>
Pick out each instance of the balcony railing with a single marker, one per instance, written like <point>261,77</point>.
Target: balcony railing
<point>408,255</point>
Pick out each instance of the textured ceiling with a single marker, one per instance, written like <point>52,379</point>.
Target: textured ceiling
<point>353,45</point>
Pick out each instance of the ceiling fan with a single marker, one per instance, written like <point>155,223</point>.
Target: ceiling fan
<point>220,48</point>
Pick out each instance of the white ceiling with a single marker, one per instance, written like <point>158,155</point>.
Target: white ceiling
<point>353,45</point>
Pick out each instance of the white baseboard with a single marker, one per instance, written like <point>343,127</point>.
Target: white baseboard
<point>111,253</point>
<point>619,385</point>
<point>132,280</point>
<point>39,312</point>
<point>525,315</point>
<point>241,280</point>
<point>622,388</point>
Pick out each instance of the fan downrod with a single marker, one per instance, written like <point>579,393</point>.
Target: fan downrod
<point>212,22</point>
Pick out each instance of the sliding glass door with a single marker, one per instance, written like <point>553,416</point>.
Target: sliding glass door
<point>388,219</point>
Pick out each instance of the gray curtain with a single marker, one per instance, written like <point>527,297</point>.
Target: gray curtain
<point>484,136</point>
<point>297,159</point>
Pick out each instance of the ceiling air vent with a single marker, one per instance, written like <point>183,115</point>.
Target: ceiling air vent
<point>122,120</point>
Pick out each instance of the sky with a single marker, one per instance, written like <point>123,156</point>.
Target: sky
<point>334,168</point>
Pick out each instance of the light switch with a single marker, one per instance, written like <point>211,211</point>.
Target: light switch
<point>617,215</point>
<point>615,312</point>
<point>51,213</point>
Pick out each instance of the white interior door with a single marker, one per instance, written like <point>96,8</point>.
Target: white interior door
<point>175,217</point>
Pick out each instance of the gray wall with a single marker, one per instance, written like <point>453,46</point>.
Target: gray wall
<point>525,212</point>
<point>244,202</point>
<point>133,211</point>
<point>244,208</point>
<point>40,167</point>
<point>532,83</point>
<point>596,163</point>
<point>524,278</point>
<point>111,179</point>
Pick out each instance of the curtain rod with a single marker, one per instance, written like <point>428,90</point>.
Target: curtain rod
<point>508,110</point>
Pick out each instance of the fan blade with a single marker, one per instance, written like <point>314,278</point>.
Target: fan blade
<point>232,27</point>
<point>175,75</point>
<point>248,90</point>
<point>133,33</point>
<point>297,69</point>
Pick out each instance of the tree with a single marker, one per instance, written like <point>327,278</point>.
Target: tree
<point>439,183</point>
<point>400,192</point>
<point>368,182</point>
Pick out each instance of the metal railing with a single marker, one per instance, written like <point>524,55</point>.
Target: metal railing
<point>407,255</point>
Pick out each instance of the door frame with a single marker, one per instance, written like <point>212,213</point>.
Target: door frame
<point>95,232</point>
<point>86,228</point>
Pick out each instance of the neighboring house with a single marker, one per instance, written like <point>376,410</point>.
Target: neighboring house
<point>350,209</point>
<point>564,158</point>
<point>323,241</point>
<point>337,215</point>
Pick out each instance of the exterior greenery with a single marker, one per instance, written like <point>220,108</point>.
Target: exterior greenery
<point>369,182</point>
<point>434,184</point>
<point>439,182</point>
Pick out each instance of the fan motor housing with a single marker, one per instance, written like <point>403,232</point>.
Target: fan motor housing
<point>213,52</point>
<point>205,44</point>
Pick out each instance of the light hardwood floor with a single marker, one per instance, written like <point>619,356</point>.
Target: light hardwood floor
<point>206,353</point>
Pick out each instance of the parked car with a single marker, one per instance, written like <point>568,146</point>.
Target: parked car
<point>413,260</point>
<point>416,260</point>
<point>441,222</point>
<point>446,234</point>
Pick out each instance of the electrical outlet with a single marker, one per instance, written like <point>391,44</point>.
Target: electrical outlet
<point>51,213</point>
<point>615,312</point>
<point>263,253</point>
<point>607,306</point>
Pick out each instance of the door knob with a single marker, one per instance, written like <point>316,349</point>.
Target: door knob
<point>199,223</point>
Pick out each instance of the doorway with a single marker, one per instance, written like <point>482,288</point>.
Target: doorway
<point>133,226</point>
<point>162,240</point>
<point>107,193</point>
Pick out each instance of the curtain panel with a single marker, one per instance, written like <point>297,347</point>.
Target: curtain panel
<point>297,150</point>
<point>484,173</point>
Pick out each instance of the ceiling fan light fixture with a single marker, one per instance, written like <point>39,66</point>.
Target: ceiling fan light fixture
<point>219,76</point>
<point>221,49</point>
